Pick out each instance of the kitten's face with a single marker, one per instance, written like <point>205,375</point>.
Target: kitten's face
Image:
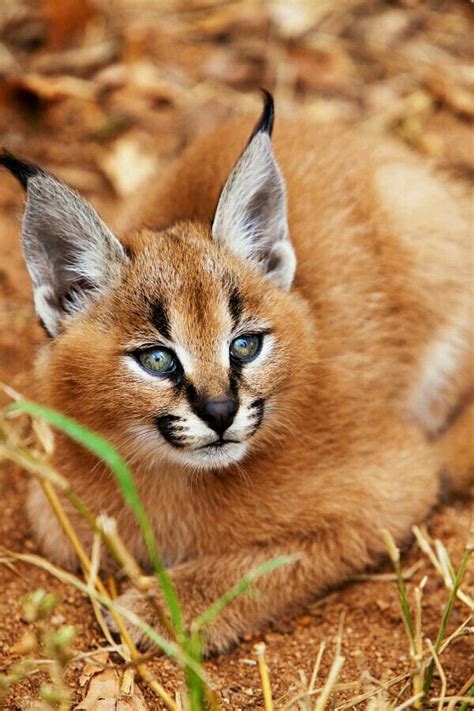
<point>188,358</point>
<point>192,347</point>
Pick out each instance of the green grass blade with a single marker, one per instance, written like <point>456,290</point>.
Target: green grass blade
<point>203,621</point>
<point>446,615</point>
<point>104,451</point>
<point>466,704</point>
<point>241,587</point>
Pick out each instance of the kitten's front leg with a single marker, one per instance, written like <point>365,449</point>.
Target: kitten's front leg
<point>329,557</point>
<point>339,535</point>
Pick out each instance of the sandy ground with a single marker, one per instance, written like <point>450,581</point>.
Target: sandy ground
<point>141,117</point>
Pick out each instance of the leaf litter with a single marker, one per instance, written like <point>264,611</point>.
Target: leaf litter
<point>87,88</point>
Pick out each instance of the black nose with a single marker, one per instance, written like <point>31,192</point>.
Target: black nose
<point>219,414</point>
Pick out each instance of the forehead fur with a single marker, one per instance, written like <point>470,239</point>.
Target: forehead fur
<point>182,270</point>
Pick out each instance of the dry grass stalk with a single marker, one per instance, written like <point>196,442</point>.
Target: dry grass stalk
<point>457,580</point>
<point>303,696</point>
<point>317,664</point>
<point>107,526</point>
<point>466,701</point>
<point>330,683</point>
<point>381,686</point>
<point>413,630</point>
<point>69,579</point>
<point>47,475</point>
<point>441,673</point>
<point>417,654</point>
<point>91,581</point>
<point>426,547</point>
<point>379,703</point>
<point>410,702</point>
<point>389,577</point>
<point>264,676</point>
<point>462,631</point>
<point>468,687</point>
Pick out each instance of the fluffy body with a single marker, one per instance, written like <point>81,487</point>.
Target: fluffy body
<point>367,358</point>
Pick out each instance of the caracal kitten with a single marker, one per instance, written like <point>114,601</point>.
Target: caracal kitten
<point>280,348</point>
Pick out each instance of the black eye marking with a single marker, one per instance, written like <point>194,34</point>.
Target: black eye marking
<point>170,430</point>
<point>234,377</point>
<point>235,306</point>
<point>159,319</point>
<point>191,395</point>
<point>257,416</point>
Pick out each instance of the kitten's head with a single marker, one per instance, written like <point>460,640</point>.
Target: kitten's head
<point>188,344</point>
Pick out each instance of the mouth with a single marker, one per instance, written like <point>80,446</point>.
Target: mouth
<point>217,443</point>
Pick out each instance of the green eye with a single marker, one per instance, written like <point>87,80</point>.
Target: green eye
<point>245,348</point>
<point>158,361</point>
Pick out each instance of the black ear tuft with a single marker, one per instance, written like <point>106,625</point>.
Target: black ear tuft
<point>265,122</point>
<point>22,170</point>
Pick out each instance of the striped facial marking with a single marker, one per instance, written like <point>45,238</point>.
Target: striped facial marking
<point>209,400</point>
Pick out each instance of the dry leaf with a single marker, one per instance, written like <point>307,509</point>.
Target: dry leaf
<point>82,59</point>
<point>103,690</point>
<point>55,88</point>
<point>320,66</point>
<point>293,19</point>
<point>233,68</point>
<point>249,16</point>
<point>445,88</point>
<point>128,165</point>
<point>65,19</point>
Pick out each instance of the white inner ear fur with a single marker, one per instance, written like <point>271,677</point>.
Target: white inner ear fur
<point>251,216</point>
<point>67,247</point>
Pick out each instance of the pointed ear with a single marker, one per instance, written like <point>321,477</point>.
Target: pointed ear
<point>251,214</point>
<point>70,253</point>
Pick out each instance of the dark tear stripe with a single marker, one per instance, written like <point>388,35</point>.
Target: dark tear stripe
<point>166,426</point>
<point>234,378</point>
<point>159,319</point>
<point>195,402</point>
<point>235,306</point>
<point>259,406</point>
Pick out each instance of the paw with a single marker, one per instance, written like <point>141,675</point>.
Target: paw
<point>134,602</point>
<point>221,635</point>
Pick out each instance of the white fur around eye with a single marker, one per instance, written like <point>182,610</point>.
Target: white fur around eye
<point>184,358</point>
<point>224,353</point>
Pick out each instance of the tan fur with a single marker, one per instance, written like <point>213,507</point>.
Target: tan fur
<point>372,353</point>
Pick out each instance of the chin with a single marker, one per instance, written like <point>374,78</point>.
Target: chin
<point>211,457</point>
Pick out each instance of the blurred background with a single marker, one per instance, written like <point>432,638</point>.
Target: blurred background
<point>104,92</point>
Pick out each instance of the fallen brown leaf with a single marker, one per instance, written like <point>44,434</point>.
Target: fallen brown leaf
<point>103,690</point>
<point>128,165</point>
<point>55,88</point>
